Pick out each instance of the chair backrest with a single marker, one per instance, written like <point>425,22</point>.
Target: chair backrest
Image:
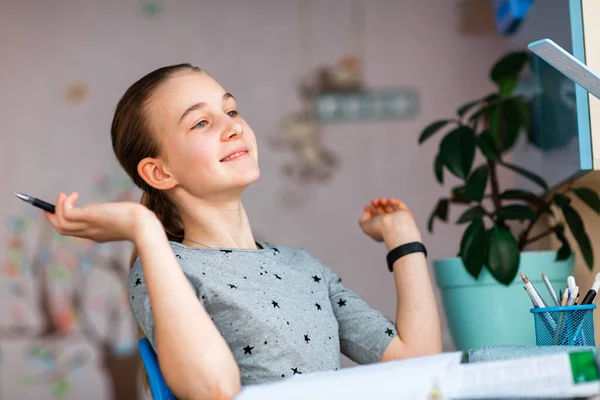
<point>158,386</point>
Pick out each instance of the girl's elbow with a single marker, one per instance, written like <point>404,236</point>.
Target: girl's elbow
<point>200,384</point>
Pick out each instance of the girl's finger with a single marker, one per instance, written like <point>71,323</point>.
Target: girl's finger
<point>379,210</point>
<point>51,218</point>
<point>375,202</point>
<point>389,208</point>
<point>366,215</point>
<point>58,213</point>
<point>71,213</point>
<point>399,204</point>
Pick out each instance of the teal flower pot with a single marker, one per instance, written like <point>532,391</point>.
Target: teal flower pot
<point>483,312</point>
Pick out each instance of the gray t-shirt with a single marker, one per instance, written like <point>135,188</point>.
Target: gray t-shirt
<point>279,309</point>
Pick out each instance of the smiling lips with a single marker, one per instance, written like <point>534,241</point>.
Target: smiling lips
<point>235,155</point>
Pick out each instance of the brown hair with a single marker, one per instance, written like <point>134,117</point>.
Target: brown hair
<point>133,140</point>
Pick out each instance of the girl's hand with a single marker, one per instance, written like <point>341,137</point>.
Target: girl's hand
<point>391,221</point>
<point>106,222</point>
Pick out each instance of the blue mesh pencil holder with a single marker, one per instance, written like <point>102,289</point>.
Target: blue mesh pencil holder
<point>564,326</point>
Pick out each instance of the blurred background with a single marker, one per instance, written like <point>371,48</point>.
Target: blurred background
<point>66,331</point>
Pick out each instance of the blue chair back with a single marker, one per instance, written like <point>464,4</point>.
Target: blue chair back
<point>158,386</point>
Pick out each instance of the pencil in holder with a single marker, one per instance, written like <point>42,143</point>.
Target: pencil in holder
<point>564,326</point>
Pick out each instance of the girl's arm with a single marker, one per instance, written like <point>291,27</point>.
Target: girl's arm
<point>194,358</point>
<point>417,320</point>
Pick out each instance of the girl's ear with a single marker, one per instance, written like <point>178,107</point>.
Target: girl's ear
<point>153,171</point>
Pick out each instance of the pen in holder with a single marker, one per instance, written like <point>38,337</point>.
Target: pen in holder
<point>564,326</point>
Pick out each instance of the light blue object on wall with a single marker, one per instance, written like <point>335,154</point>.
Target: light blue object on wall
<point>581,95</point>
<point>367,105</point>
<point>483,312</point>
<point>554,123</point>
<point>509,14</point>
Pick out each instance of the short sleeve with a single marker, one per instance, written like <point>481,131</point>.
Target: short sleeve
<point>365,333</point>
<point>140,301</point>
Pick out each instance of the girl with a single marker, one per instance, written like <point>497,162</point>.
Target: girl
<point>221,309</point>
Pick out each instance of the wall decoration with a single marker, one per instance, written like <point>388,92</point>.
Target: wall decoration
<point>372,105</point>
<point>301,133</point>
<point>77,92</point>
<point>150,8</point>
<point>334,94</point>
<point>62,290</point>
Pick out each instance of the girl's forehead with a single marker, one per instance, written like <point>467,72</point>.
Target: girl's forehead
<point>182,91</point>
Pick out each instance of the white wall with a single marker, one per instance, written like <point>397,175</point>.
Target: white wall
<point>251,47</point>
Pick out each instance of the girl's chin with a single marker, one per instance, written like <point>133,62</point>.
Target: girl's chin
<point>247,177</point>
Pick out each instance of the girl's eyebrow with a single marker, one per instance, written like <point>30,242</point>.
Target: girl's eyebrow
<point>202,104</point>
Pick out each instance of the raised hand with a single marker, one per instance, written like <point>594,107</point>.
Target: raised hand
<point>389,220</point>
<point>105,222</point>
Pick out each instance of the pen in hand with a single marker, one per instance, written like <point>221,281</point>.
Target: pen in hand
<point>36,202</point>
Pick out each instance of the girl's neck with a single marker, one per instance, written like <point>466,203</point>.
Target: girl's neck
<point>220,226</point>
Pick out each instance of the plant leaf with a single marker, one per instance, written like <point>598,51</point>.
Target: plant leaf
<point>589,197</point>
<point>440,211</point>
<point>476,184</point>
<point>508,85</point>
<point>527,174</point>
<point>577,228</point>
<point>493,102</point>
<point>561,200</point>
<point>487,145</point>
<point>524,110</point>
<point>503,254</point>
<point>565,250</point>
<point>491,97</point>
<point>509,66</point>
<point>471,214</point>
<point>432,128</point>
<point>473,247</point>
<point>458,195</point>
<point>457,150</point>
<point>438,167</point>
<point>531,198</point>
<point>462,110</point>
<point>505,124</point>
<point>516,211</point>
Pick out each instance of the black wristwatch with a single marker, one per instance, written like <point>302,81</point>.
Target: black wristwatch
<point>402,250</point>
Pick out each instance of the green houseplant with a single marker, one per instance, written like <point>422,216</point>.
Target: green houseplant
<point>499,222</point>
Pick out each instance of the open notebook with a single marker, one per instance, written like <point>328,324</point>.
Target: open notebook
<point>444,376</point>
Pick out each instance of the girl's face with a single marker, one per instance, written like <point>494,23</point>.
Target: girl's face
<point>207,146</point>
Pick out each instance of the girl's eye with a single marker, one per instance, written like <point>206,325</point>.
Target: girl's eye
<point>201,124</point>
<point>232,113</point>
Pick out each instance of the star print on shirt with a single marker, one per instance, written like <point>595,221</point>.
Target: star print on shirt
<point>232,286</point>
<point>227,251</point>
<point>316,278</point>
<point>342,302</point>
<point>248,349</point>
<point>389,332</point>
<point>275,304</point>
<point>138,281</point>
<point>318,306</point>
<point>296,371</point>
<point>306,338</point>
<point>277,276</point>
